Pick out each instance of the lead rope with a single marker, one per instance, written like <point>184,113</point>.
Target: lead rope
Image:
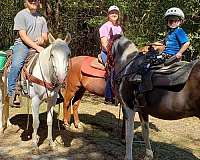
<point>28,109</point>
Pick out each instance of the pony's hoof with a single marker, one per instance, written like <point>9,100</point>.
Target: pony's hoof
<point>59,141</point>
<point>52,147</point>
<point>35,151</point>
<point>79,128</point>
<point>1,131</point>
<point>79,125</point>
<point>149,155</point>
<point>123,141</point>
<point>66,126</point>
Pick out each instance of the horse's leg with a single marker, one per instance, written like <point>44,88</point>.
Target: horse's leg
<point>51,104</point>
<point>129,132</point>
<point>35,112</point>
<point>144,118</point>
<point>123,126</point>
<point>69,101</point>
<point>76,103</point>
<point>67,107</point>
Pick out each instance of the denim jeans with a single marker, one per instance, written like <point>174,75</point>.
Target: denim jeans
<point>20,52</point>
<point>104,57</point>
<point>108,89</point>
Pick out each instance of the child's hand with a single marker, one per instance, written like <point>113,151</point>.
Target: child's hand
<point>39,49</point>
<point>179,55</point>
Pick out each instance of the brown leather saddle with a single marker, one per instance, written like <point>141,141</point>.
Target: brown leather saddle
<point>28,67</point>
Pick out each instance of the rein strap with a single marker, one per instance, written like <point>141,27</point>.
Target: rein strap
<point>36,80</point>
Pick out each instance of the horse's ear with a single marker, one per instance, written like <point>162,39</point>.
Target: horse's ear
<point>51,38</point>
<point>68,38</point>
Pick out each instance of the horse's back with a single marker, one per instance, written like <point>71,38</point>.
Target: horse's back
<point>76,78</point>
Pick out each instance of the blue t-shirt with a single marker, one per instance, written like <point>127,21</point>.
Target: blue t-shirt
<point>174,40</point>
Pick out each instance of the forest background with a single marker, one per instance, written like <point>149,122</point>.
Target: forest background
<point>142,21</point>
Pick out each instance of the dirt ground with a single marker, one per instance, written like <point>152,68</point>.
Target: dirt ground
<point>99,136</point>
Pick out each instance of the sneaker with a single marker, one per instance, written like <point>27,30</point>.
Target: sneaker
<point>137,78</point>
<point>109,101</point>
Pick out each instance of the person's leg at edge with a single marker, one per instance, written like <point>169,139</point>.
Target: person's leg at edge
<point>104,57</point>
<point>108,91</point>
<point>20,52</point>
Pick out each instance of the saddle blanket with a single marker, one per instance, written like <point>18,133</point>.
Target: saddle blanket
<point>92,67</point>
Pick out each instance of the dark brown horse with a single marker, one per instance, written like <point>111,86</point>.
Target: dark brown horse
<point>160,102</point>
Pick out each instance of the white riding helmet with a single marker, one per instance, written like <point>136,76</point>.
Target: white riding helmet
<point>111,8</point>
<point>174,12</point>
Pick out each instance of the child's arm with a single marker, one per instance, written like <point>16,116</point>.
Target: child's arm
<point>183,49</point>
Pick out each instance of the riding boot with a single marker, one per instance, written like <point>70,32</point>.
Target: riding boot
<point>14,101</point>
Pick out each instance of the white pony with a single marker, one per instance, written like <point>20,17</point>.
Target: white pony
<point>50,69</point>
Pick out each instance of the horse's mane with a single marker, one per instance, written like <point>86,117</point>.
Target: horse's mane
<point>125,48</point>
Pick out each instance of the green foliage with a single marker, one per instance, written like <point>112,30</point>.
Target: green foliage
<point>142,21</point>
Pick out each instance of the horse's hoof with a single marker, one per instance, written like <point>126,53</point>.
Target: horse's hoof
<point>35,151</point>
<point>66,126</point>
<point>79,125</point>
<point>52,146</point>
<point>59,141</point>
<point>79,128</point>
<point>1,131</point>
<point>149,155</point>
<point>123,141</point>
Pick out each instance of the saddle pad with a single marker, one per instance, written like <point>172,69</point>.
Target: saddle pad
<point>92,68</point>
<point>171,68</point>
<point>176,78</point>
<point>172,82</point>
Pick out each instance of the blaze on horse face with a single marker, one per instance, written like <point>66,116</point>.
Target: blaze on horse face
<point>57,58</point>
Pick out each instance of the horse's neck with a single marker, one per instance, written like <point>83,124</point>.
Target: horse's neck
<point>42,68</point>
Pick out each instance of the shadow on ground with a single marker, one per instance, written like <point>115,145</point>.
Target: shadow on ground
<point>99,139</point>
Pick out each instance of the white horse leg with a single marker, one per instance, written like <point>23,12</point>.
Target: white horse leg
<point>51,103</point>
<point>145,134</point>
<point>129,133</point>
<point>35,112</point>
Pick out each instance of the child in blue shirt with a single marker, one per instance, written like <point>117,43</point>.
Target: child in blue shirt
<point>176,41</point>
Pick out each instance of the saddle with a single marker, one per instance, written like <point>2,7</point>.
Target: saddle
<point>28,66</point>
<point>92,66</point>
<point>172,77</point>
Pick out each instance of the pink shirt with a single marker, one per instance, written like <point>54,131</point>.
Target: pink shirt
<point>104,30</point>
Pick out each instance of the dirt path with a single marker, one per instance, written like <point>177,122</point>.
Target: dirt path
<point>99,137</point>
